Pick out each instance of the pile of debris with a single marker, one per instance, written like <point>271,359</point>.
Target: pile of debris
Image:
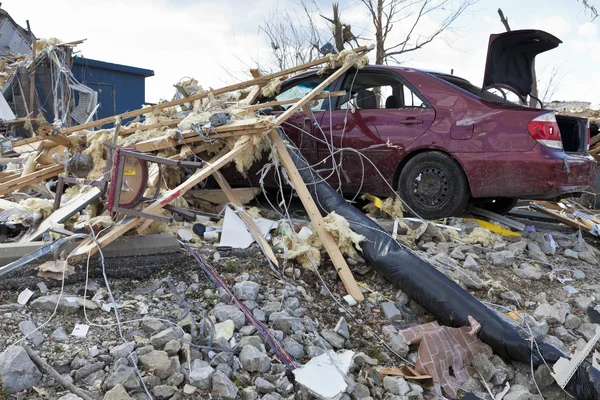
<point>266,332</point>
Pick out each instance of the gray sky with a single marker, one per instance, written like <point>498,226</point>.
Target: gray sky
<point>203,38</point>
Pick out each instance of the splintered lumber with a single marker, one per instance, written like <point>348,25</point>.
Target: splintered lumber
<point>117,231</point>
<point>34,177</point>
<point>256,81</point>
<point>63,214</point>
<point>250,224</point>
<point>237,127</point>
<point>317,220</point>
<point>561,215</point>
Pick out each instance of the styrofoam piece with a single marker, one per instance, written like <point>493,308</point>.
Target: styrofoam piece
<point>325,375</point>
<point>350,300</point>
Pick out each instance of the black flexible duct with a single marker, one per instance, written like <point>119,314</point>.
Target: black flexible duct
<point>432,290</point>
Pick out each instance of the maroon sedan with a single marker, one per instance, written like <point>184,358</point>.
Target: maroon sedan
<point>440,141</point>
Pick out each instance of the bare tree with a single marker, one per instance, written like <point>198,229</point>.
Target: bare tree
<point>590,8</point>
<point>551,82</point>
<point>385,14</point>
<point>293,35</point>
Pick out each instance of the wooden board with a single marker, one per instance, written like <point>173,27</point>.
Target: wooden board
<point>34,177</point>
<point>63,214</point>
<point>317,220</point>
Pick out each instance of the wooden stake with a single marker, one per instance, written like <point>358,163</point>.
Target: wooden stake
<point>317,220</point>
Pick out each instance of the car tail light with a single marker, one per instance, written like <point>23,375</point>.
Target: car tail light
<point>589,129</point>
<point>545,130</point>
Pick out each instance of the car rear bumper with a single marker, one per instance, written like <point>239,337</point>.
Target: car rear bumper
<point>539,173</point>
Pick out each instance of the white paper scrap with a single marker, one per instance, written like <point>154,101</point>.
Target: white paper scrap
<point>80,330</point>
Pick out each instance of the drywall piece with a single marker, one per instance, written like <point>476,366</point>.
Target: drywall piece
<point>564,369</point>
<point>325,375</point>
<point>236,235</point>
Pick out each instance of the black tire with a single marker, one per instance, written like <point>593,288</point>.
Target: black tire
<point>501,205</point>
<point>434,186</point>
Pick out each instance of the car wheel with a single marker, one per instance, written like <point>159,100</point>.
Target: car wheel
<point>501,205</point>
<point>434,186</point>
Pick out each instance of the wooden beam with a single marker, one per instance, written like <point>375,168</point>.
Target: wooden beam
<point>119,230</point>
<point>197,96</point>
<point>250,224</point>
<point>32,80</point>
<point>170,123</point>
<point>323,95</point>
<point>317,220</point>
<point>37,176</point>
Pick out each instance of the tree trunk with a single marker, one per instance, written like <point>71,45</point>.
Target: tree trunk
<point>379,51</point>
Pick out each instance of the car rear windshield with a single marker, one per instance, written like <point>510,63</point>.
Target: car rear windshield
<point>469,87</point>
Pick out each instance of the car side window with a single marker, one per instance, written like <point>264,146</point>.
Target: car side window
<point>300,89</point>
<point>370,90</point>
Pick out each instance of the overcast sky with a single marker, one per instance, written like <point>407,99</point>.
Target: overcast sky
<point>213,40</point>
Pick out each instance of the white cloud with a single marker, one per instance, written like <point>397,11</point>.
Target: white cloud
<point>556,25</point>
<point>587,29</point>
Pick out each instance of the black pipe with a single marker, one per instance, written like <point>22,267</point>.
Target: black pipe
<point>432,290</point>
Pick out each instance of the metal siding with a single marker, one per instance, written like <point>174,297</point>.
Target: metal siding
<point>129,89</point>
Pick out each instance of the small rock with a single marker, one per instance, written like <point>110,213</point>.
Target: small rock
<point>164,391</point>
<point>122,350</point>
<point>118,392</point>
<point>248,330</point>
<point>484,366</point>
<point>391,312</point>
<point>362,358</point>
<point>48,303</point>
<point>249,393</point>
<point>124,376</point>
<point>587,330</point>
<point>172,347</point>
<point>246,290</point>
<point>152,326</point>
<point>572,321</point>
<point>253,360</point>
<point>583,302</point>
<point>571,254</point>
<point>160,339</point>
<point>86,371</point>
<point>536,253</point>
<point>588,257</point>
<point>222,387</point>
<point>294,348</point>
<point>518,392</point>
<point>470,263</point>
<point>201,375</point>
<point>503,258</point>
<point>334,339</point>
<point>528,271</point>
<point>59,335</point>
<point>396,385</point>
<point>264,386</point>
<point>189,389</point>
<point>341,328</point>
<point>17,371</point>
<point>157,362</point>
<point>549,313</point>
<point>29,330</point>
<point>223,312</point>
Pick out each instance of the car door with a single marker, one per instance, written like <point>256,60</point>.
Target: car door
<point>380,115</point>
